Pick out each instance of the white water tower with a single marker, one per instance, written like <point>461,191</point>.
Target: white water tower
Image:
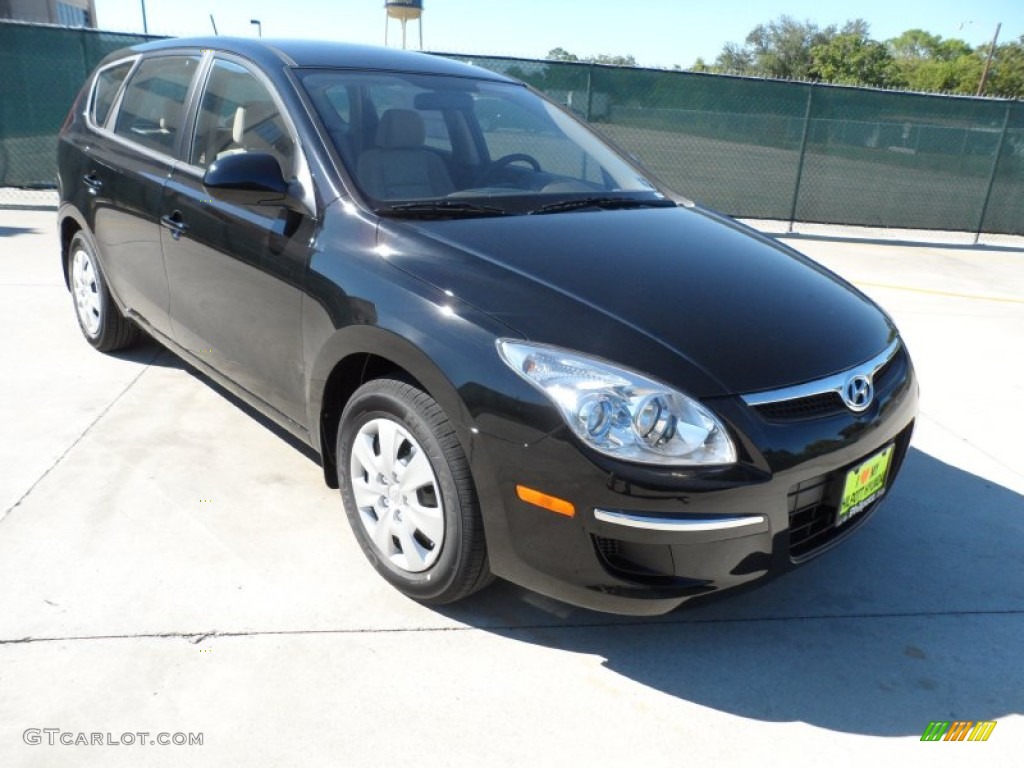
<point>405,11</point>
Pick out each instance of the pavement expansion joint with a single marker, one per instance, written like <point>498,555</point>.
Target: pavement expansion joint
<point>1015,472</point>
<point>195,638</point>
<point>7,512</point>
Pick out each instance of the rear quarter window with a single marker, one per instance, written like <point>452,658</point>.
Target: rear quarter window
<point>107,86</point>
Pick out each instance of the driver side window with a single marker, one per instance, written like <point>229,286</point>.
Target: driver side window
<point>238,114</point>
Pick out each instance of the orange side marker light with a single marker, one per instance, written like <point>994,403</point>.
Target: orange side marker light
<point>544,501</point>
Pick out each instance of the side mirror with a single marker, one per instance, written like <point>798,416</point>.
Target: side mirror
<point>249,178</point>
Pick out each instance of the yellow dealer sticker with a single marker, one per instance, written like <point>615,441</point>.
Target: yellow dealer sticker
<point>864,484</point>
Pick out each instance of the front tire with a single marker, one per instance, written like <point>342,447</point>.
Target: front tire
<point>408,493</point>
<point>101,321</point>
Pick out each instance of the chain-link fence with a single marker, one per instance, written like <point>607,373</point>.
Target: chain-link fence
<point>41,69</point>
<point>751,148</point>
<point>806,152</point>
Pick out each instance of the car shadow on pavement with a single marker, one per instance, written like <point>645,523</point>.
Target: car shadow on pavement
<point>14,231</point>
<point>918,617</point>
<point>150,352</point>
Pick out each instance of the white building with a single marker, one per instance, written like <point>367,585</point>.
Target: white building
<point>67,13</point>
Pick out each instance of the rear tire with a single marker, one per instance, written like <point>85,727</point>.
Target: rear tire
<point>99,317</point>
<point>408,493</point>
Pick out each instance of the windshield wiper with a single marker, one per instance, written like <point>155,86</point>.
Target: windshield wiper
<point>440,209</point>
<point>607,203</point>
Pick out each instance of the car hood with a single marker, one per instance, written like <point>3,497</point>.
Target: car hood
<point>695,299</point>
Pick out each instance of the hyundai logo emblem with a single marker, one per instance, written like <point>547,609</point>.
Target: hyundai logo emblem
<point>858,393</point>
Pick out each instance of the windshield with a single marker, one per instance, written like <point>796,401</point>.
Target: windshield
<point>419,144</point>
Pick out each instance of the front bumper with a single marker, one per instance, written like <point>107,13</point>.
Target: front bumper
<point>643,541</point>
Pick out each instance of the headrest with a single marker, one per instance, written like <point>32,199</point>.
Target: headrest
<point>400,128</point>
<point>238,126</point>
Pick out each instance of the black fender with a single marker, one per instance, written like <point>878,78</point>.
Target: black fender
<point>361,343</point>
<point>69,221</point>
<point>442,345</point>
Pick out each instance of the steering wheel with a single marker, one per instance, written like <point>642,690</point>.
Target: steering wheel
<point>502,162</point>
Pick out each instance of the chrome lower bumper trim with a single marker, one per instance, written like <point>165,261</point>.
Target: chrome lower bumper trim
<point>678,525</point>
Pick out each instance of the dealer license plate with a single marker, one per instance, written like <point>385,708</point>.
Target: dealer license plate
<point>864,484</point>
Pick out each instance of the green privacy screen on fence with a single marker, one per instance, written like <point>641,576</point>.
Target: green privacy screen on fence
<point>748,147</point>
<point>796,151</point>
<point>41,70</point>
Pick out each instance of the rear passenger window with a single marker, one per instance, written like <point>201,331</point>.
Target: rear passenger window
<point>238,114</point>
<point>108,83</point>
<point>152,110</point>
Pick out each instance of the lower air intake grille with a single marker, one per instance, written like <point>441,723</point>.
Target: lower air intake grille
<point>812,516</point>
<point>813,505</point>
<point>607,548</point>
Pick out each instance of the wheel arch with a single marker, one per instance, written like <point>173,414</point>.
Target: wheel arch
<point>70,223</point>
<point>359,354</point>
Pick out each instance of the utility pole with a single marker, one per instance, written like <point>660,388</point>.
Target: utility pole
<point>145,26</point>
<point>988,60</point>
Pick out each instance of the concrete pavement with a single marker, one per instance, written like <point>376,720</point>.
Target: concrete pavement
<point>171,564</point>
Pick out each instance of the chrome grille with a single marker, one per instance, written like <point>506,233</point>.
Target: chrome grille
<point>812,407</point>
<point>819,399</point>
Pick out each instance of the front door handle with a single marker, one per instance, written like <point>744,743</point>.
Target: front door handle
<point>93,182</point>
<point>173,222</point>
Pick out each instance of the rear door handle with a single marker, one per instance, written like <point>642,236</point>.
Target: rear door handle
<point>174,223</point>
<point>93,182</point>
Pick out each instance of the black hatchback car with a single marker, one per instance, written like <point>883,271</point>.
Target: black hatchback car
<point>516,353</point>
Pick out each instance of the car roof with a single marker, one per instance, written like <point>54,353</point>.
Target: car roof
<point>326,54</point>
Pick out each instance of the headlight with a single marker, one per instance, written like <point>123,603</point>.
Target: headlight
<point>619,412</point>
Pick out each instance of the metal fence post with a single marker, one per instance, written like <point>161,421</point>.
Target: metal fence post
<point>803,153</point>
<point>992,176</point>
<point>86,69</point>
<point>590,89</point>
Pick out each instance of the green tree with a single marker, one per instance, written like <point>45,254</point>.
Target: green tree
<point>1006,77</point>
<point>918,45</point>
<point>617,61</point>
<point>854,59</point>
<point>782,48</point>
<point>951,49</point>
<point>914,44</point>
<point>735,59</point>
<point>560,54</point>
<point>960,75</point>
<point>926,62</point>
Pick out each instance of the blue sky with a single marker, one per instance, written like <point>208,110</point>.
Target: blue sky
<point>656,32</point>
